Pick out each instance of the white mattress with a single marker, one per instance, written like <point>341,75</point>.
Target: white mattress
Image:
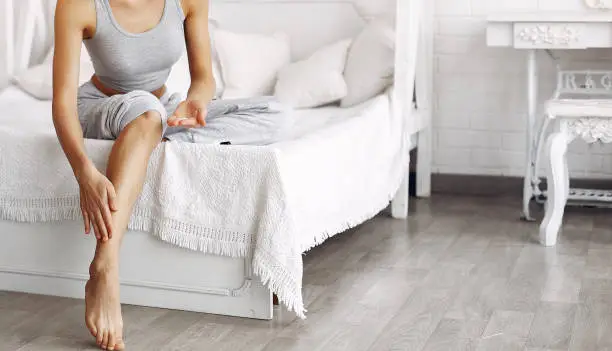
<point>309,120</point>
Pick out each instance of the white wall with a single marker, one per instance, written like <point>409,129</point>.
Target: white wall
<point>480,102</point>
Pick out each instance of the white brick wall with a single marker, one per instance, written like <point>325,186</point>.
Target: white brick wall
<point>480,103</point>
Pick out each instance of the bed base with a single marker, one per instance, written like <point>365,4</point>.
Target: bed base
<point>53,259</point>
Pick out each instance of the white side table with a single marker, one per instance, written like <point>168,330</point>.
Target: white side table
<point>545,31</point>
<point>581,108</point>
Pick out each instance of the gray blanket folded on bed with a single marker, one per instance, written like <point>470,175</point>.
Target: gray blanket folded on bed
<point>251,121</point>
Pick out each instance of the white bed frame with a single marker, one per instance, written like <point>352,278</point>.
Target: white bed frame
<point>49,259</point>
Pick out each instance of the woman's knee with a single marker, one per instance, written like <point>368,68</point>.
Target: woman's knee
<point>149,123</point>
<point>152,119</point>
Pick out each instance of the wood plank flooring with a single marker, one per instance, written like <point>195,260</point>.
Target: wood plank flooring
<point>463,273</point>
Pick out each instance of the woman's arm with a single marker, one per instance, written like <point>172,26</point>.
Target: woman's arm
<point>197,38</point>
<point>73,19</point>
<point>69,29</point>
<point>203,85</point>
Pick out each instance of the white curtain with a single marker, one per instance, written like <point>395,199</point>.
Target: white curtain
<point>43,31</point>
<point>32,34</point>
<point>6,50</point>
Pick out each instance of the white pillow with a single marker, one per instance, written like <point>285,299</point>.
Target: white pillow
<point>250,62</point>
<point>370,64</point>
<point>180,77</point>
<point>316,80</point>
<point>38,80</point>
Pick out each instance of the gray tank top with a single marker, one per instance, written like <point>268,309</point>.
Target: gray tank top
<point>126,61</point>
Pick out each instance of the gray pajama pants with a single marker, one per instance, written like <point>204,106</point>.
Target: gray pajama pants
<point>104,117</point>
<point>257,121</point>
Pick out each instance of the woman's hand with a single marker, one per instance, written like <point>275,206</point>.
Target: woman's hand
<point>97,202</point>
<point>190,114</point>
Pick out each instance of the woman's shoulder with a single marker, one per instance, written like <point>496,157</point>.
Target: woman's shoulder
<point>78,13</point>
<point>193,6</point>
<point>82,7</point>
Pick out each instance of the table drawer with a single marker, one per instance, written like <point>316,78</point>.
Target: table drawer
<point>550,36</point>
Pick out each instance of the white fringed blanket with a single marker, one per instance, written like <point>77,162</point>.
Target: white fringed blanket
<point>272,202</point>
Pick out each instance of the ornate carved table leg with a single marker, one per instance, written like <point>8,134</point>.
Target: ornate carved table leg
<point>558,184</point>
<point>590,130</point>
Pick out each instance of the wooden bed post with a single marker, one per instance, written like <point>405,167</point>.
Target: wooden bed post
<point>400,203</point>
<point>424,97</point>
<point>407,52</point>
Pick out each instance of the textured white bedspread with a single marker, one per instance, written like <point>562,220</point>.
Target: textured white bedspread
<point>339,168</point>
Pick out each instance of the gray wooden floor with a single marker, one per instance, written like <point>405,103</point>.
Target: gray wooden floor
<point>460,274</point>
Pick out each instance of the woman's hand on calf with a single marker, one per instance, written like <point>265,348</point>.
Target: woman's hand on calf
<point>97,201</point>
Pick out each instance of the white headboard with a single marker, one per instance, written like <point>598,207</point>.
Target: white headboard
<point>309,23</point>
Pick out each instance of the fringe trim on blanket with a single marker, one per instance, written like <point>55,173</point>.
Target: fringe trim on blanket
<point>282,285</point>
<point>193,237</point>
<point>39,215</point>
<point>40,210</point>
<point>189,236</point>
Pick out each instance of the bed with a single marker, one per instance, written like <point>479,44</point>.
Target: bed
<point>43,251</point>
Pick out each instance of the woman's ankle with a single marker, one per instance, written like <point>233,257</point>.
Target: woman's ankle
<point>103,265</point>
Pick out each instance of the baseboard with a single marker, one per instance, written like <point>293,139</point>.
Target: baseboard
<point>252,305</point>
<point>482,185</point>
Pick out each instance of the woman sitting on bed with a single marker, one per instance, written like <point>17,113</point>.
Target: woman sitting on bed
<point>133,44</point>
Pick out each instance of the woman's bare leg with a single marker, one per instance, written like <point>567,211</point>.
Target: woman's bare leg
<point>126,169</point>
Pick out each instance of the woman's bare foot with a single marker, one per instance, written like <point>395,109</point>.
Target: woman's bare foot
<point>103,307</point>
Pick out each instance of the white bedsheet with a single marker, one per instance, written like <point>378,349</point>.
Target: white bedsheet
<point>19,110</point>
<point>339,168</point>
